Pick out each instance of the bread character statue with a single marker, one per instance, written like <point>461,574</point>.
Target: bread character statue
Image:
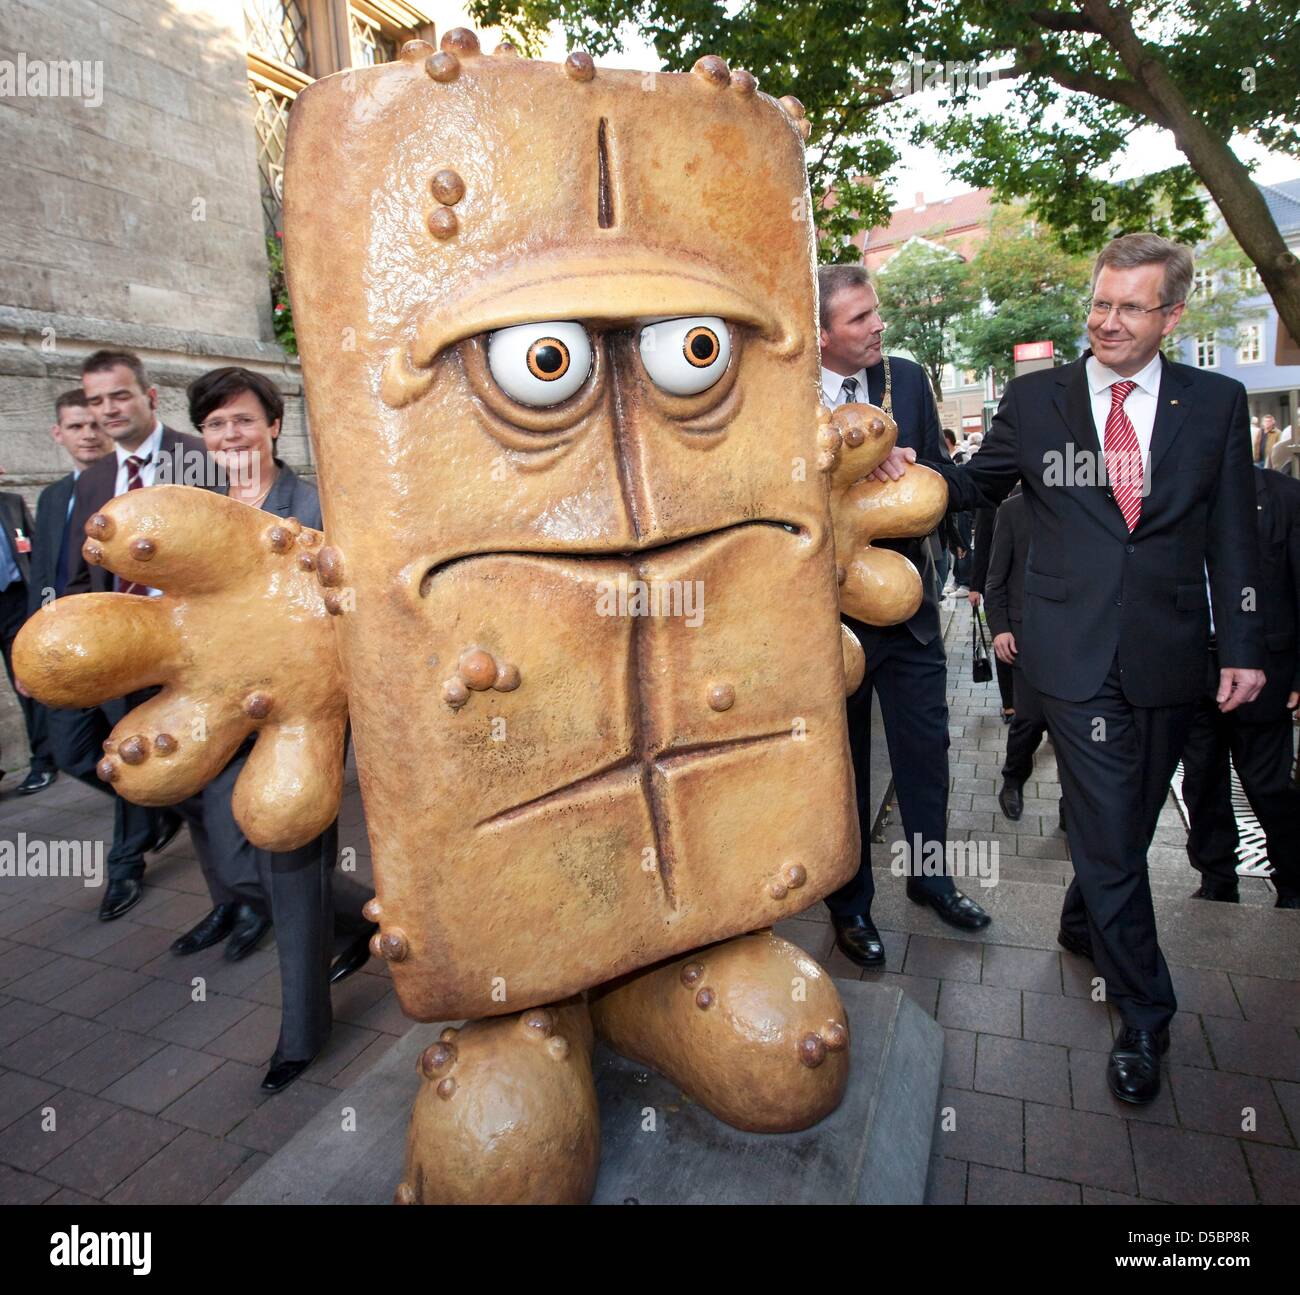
<point>577,593</point>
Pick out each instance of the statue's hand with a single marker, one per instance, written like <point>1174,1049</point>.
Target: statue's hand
<point>856,444</point>
<point>240,643</point>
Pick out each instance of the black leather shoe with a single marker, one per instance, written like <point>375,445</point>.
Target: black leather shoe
<point>1225,892</point>
<point>354,957</point>
<point>955,908</point>
<point>216,926</point>
<point>859,941</point>
<point>119,897</point>
<point>1011,800</point>
<point>282,1073</point>
<point>1287,901</point>
<point>171,823</point>
<point>249,927</point>
<point>1073,944</point>
<point>1133,1071</point>
<point>35,782</point>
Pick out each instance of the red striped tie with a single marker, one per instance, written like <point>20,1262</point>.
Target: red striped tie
<point>133,482</point>
<point>1123,456</point>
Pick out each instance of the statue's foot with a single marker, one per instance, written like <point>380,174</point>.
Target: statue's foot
<point>752,1029</point>
<point>506,1114</point>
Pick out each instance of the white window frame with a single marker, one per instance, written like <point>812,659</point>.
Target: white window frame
<point>1207,351</point>
<point>1254,333</point>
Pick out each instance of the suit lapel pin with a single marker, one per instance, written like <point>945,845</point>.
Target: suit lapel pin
<point>1173,402</point>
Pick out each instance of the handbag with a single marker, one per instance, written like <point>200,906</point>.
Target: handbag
<point>981,666</point>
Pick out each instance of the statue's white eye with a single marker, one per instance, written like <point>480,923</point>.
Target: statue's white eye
<point>540,364</point>
<point>686,356</point>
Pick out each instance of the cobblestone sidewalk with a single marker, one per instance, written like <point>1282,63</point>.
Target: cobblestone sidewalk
<point>116,1085</point>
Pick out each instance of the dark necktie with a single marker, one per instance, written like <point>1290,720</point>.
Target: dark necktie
<point>849,391</point>
<point>133,482</point>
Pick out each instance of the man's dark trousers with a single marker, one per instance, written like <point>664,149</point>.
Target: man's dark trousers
<point>1025,731</point>
<point>13,612</point>
<point>1099,744</point>
<point>1263,754</point>
<point>77,738</point>
<point>910,679</point>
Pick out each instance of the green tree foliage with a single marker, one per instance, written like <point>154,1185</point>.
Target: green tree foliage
<point>926,292</point>
<point>1033,291</point>
<point>281,310</point>
<point>1084,74</point>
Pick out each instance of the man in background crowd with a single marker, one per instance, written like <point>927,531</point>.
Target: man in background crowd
<point>1004,598</point>
<point>1258,737</point>
<point>16,529</point>
<point>906,667</point>
<point>125,406</point>
<point>1266,440</point>
<point>76,431</point>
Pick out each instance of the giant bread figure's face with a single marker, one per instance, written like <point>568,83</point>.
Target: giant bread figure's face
<point>559,340</point>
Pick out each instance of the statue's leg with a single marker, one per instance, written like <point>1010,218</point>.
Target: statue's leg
<point>506,1113</point>
<point>752,1029</point>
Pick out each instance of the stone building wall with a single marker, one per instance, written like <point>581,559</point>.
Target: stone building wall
<point>129,217</point>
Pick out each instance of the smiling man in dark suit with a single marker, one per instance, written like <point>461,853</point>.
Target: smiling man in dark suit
<point>906,667</point>
<point>1137,483</point>
<point>125,405</point>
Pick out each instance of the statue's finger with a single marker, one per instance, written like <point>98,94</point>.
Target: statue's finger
<point>187,540</point>
<point>289,791</point>
<point>172,746</point>
<point>866,435</point>
<point>855,660</point>
<point>881,587</point>
<point>911,506</point>
<point>90,648</point>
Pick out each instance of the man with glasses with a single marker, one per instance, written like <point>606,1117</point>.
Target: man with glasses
<point>1137,485</point>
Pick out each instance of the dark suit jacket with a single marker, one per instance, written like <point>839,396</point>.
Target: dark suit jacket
<point>51,522</point>
<point>982,539</point>
<point>1277,512</point>
<point>95,487</point>
<point>291,496</point>
<point>15,517</point>
<point>1092,590</point>
<point>918,429</point>
<point>1004,588</point>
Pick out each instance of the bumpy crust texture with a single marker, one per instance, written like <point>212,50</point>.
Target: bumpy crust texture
<point>562,785</point>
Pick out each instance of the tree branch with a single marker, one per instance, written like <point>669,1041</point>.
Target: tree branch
<point>1128,94</point>
<point>1054,21</point>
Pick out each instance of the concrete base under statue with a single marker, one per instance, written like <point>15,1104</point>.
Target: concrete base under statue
<point>658,1147</point>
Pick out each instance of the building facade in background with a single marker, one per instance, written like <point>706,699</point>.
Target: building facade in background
<point>1252,358</point>
<point>959,224</point>
<point>141,169</point>
<point>137,197</point>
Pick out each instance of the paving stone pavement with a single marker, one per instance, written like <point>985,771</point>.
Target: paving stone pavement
<point>118,1082</point>
<point>117,1086</point>
<point>1025,1115</point>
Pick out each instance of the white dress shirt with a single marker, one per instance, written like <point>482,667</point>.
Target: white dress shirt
<point>1140,405</point>
<point>833,383</point>
<point>151,448</point>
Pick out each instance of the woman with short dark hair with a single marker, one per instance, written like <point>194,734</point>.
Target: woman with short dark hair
<point>239,412</point>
